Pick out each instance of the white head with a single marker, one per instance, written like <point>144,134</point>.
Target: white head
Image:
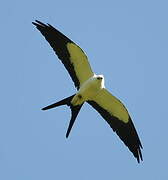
<point>100,79</point>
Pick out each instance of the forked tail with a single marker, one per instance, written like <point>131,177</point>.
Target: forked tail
<point>74,110</point>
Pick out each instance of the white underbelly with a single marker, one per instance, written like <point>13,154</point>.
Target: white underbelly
<point>87,91</point>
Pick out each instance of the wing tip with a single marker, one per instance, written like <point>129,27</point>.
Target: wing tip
<point>43,109</point>
<point>37,22</point>
<point>138,154</point>
<point>39,25</point>
<point>67,135</point>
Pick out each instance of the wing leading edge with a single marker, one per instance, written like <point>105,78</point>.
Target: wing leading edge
<point>71,55</point>
<point>116,115</point>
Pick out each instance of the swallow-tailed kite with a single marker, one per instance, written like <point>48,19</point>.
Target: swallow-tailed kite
<point>90,88</point>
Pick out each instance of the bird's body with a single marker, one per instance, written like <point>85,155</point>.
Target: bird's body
<point>90,89</point>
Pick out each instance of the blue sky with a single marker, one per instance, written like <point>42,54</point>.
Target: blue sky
<point>127,41</point>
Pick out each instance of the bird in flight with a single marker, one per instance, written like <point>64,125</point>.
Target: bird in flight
<point>90,89</point>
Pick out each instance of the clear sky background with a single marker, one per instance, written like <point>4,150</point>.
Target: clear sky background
<point>127,42</point>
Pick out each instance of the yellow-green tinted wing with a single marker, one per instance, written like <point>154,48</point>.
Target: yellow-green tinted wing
<point>116,115</point>
<point>71,55</point>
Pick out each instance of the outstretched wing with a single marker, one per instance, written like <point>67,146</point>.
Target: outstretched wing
<point>71,55</point>
<point>116,115</point>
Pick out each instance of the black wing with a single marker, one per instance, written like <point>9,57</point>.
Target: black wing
<point>71,55</point>
<point>116,115</point>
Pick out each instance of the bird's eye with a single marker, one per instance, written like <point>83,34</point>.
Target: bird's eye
<point>99,78</point>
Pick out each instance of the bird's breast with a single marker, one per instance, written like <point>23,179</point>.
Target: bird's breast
<point>89,89</point>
